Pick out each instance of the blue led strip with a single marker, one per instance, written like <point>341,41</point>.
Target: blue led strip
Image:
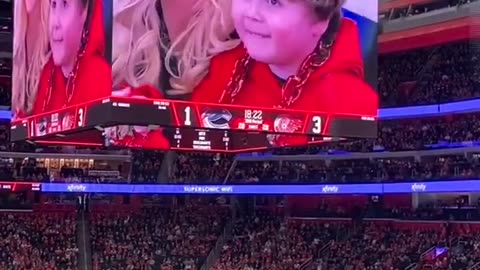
<point>424,187</point>
<point>5,115</point>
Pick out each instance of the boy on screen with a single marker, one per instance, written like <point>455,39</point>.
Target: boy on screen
<point>77,71</point>
<point>297,54</point>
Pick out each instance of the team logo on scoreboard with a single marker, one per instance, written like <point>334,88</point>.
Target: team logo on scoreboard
<point>286,124</point>
<point>216,118</point>
<point>67,122</point>
<point>42,127</point>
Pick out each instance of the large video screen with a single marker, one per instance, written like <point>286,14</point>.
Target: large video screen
<point>304,68</point>
<point>61,55</point>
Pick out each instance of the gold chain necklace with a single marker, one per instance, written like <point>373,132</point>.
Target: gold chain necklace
<point>292,89</point>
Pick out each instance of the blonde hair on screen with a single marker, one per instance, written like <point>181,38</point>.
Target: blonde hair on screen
<point>141,64</point>
<point>28,65</point>
<point>207,34</point>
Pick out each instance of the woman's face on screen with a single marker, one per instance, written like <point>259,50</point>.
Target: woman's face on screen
<point>277,31</point>
<point>66,22</point>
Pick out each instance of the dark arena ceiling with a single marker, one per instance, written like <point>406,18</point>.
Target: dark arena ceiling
<point>6,24</point>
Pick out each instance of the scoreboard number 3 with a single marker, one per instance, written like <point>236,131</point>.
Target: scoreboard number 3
<point>317,125</point>
<point>80,114</point>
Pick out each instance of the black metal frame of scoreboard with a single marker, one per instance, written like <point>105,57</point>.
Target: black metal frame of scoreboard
<point>192,126</point>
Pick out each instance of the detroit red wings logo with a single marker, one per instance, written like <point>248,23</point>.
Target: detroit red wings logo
<point>68,121</point>
<point>285,124</point>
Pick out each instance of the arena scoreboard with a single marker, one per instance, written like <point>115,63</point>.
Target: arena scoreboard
<point>182,125</point>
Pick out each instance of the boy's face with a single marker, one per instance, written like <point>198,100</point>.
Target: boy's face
<point>277,32</point>
<point>66,22</point>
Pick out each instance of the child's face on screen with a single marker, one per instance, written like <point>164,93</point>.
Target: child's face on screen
<point>66,22</point>
<point>277,31</point>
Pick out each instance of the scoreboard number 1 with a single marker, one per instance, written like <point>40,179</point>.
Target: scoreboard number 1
<point>188,118</point>
<point>317,125</point>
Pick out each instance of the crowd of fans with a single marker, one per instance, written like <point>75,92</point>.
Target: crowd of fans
<point>267,241</point>
<point>421,134</point>
<point>420,8</point>
<point>407,135</point>
<point>146,166</point>
<point>468,252</point>
<point>181,236</point>
<point>212,169</point>
<point>5,82</point>
<point>34,241</point>
<point>355,170</point>
<point>429,75</point>
<point>201,168</point>
<point>156,238</point>
<point>378,246</point>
